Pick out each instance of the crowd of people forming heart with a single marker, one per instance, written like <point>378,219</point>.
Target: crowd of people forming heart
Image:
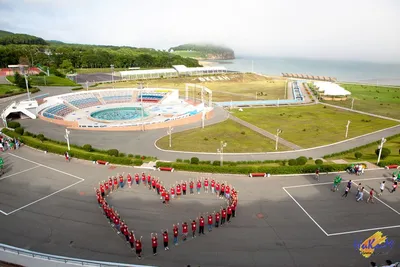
<point>208,185</point>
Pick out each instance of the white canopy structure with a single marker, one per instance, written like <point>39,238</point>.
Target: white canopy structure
<point>148,74</point>
<point>331,89</point>
<point>198,71</point>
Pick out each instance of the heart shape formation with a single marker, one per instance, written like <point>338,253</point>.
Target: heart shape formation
<point>226,192</point>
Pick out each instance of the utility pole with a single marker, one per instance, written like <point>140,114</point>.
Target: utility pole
<point>221,152</point>
<point>112,75</point>
<point>278,131</point>
<point>66,136</point>
<point>140,86</point>
<point>87,86</point>
<point>383,140</point>
<point>352,104</point>
<point>347,128</point>
<point>169,132</point>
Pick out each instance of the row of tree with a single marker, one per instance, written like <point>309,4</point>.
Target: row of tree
<point>21,39</point>
<point>205,48</point>
<point>90,56</point>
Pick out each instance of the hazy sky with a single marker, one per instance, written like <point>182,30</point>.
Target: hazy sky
<point>341,29</point>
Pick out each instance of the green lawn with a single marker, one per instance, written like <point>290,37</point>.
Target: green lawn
<point>192,54</point>
<point>373,99</point>
<point>369,152</point>
<point>240,87</point>
<point>47,81</point>
<point>314,125</point>
<point>9,89</point>
<point>238,138</point>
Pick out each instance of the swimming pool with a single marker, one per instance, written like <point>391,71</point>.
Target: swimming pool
<point>118,114</point>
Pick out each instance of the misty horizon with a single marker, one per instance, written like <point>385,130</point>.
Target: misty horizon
<point>352,31</point>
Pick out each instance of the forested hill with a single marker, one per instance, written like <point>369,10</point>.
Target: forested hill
<point>53,53</point>
<point>204,51</point>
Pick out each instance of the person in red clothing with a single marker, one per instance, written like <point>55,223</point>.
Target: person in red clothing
<point>166,199</point>
<point>201,225</point>
<point>213,186</point>
<point>149,181</point>
<point>206,185</point>
<point>191,186</point>
<point>185,230</point>
<point>129,179</point>
<point>153,183</point>
<point>233,206</point>
<point>172,190</point>
<point>117,221</point>
<point>137,179</point>
<point>217,218</point>
<point>227,192</point>
<point>184,185</point>
<point>154,243</point>
<point>198,186</point>
<point>222,192</point>
<point>210,222</point>
<point>131,239</point>
<point>223,216</point>
<point>229,213</point>
<point>175,229</point>
<point>178,190</point>
<point>115,183</point>
<point>144,178</point>
<point>121,181</point>
<point>158,185</point>
<point>105,187</point>
<point>194,227</point>
<point>138,246</point>
<point>102,190</point>
<point>110,184</point>
<point>125,231</point>
<point>217,188</point>
<point>163,192</point>
<point>165,239</point>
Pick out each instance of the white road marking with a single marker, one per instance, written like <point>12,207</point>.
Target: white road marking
<point>4,177</point>
<point>365,230</point>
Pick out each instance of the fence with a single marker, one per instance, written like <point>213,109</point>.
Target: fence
<point>17,256</point>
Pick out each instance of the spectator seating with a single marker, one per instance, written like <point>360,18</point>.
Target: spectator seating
<point>80,101</point>
<point>151,97</point>
<point>110,97</point>
<point>57,112</point>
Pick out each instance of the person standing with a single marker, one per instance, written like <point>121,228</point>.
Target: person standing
<point>346,191</point>
<point>206,185</point>
<point>394,186</point>
<point>149,181</point>
<point>165,239</point>
<point>201,225</point>
<point>222,192</point>
<point>213,186</point>
<point>172,190</point>
<point>358,189</point>
<point>175,230</point>
<point>227,192</point>
<point>217,188</point>
<point>115,183</point>
<point>381,188</point>
<point>223,216</point>
<point>137,179</point>
<point>132,239</point>
<point>371,196</point>
<point>154,243</point>
<point>138,246</point>
<point>144,178</point>
<point>217,218</point>
<point>121,181</point>
<point>198,186</point>
<point>185,230</point>
<point>210,222</point>
<point>184,185</point>
<point>233,206</point>
<point>194,227</point>
<point>110,184</point>
<point>360,195</point>
<point>229,212</point>
<point>153,183</point>
<point>166,197</point>
<point>178,191</point>
<point>191,186</point>
<point>129,178</point>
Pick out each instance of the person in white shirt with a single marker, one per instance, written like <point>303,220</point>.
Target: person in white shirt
<point>381,187</point>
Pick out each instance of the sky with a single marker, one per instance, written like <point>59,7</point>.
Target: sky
<point>364,30</point>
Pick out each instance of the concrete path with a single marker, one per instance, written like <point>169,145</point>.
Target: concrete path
<point>49,214</point>
<point>3,80</point>
<point>264,133</point>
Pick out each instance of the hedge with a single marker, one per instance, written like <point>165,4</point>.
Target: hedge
<point>77,152</point>
<point>252,169</point>
<point>384,163</point>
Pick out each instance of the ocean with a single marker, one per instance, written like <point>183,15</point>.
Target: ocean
<point>350,71</point>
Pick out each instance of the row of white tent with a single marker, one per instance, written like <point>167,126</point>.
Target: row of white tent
<point>331,89</point>
<point>176,71</point>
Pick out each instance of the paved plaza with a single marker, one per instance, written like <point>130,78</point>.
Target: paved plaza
<point>48,205</point>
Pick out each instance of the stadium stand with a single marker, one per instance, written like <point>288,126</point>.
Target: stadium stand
<point>151,97</point>
<point>57,112</point>
<point>110,97</point>
<point>85,100</point>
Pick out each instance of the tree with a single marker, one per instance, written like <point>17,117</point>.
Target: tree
<point>358,155</point>
<point>19,80</point>
<point>385,152</point>
<point>67,66</point>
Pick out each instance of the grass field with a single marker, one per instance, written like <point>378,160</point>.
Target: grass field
<point>240,87</point>
<point>373,99</point>
<point>192,54</point>
<point>239,139</point>
<point>369,152</point>
<point>9,89</point>
<point>47,81</point>
<point>314,125</point>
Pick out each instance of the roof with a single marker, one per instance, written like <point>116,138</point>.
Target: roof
<point>144,72</point>
<point>184,69</point>
<point>331,89</point>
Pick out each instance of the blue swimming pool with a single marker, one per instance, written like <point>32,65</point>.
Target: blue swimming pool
<point>118,114</point>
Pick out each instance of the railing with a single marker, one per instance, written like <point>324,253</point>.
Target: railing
<point>60,259</point>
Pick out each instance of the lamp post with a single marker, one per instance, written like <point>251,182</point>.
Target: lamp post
<point>169,132</point>
<point>278,131</point>
<point>112,75</point>
<point>140,86</point>
<point>352,104</point>
<point>4,121</point>
<point>383,140</point>
<point>66,136</point>
<point>203,118</point>
<point>221,152</point>
<point>87,86</point>
<point>347,128</point>
<point>26,81</point>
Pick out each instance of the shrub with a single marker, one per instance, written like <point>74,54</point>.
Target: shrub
<point>121,155</point>
<point>87,147</point>
<point>26,133</point>
<point>319,162</point>
<point>13,124</point>
<point>179,160</point>
<point>194,160</point>
<point>284,162</point>
<point>216,163</point>
<point>137,156</point>
<point>292,162</point>
<point>186,160</point>
<point>41,137</point>
<point>385,152</point>
<point>130,155</point>
<point>113,152</point>
<point>19,130</point>
<point>301,161</point>
<point>358,155</point>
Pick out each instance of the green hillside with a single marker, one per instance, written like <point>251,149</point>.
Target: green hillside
<point>5,33</point>
<point>204,51</point>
